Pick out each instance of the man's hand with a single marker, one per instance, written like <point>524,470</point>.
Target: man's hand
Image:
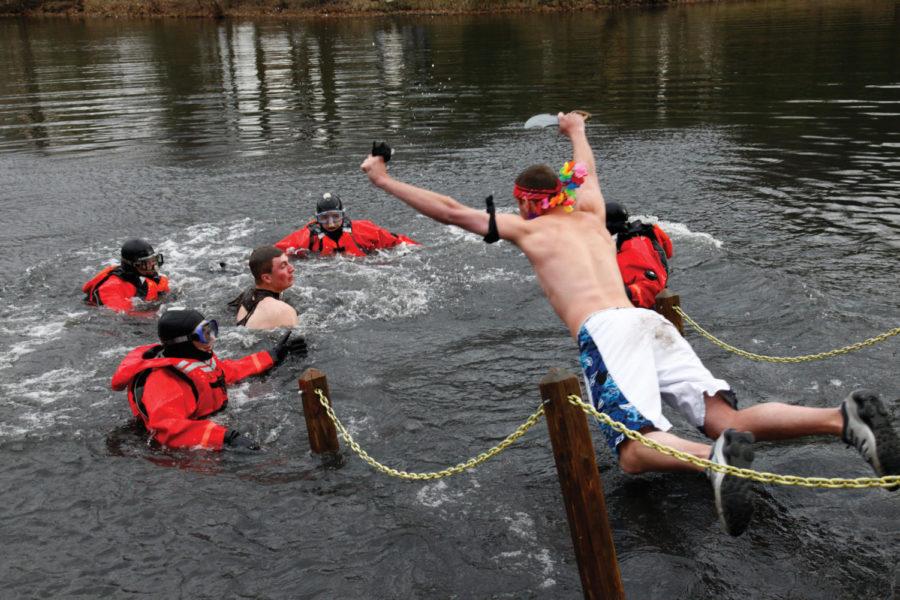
<point>571,123</point>
<point>286,346</point>
<point>383,150</point>
<point>375,168</point>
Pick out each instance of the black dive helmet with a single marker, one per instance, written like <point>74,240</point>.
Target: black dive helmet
<point>616,218</point>
<point>137,253</point>
<point>329,202</point>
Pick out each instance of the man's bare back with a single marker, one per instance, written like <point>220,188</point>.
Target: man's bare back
<point>574,259</point>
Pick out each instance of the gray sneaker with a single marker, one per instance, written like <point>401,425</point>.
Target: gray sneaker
<point>734,495</point>
<point>867,426</point>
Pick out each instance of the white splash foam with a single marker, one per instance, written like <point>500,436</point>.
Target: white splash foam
<point>522,525</point>
<point>36,330</point>
<point>680,231</point>
<point>434,495</point>
<point>118,351</point>
<point>48,387</point>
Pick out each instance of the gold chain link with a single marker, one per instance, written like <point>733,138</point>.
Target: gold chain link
<point>786,359</point>
<point>455,470</point>
<point>761,476</point>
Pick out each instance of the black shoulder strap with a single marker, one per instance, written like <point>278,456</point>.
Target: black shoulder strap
<point>134,279</point>
<point>315,231</point>
<point>250,299</point>
<point>137,387</point>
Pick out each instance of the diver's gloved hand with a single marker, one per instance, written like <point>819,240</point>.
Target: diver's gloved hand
<point>297,346</point>
<point>383,150</point>
<point>286,346</point>
<point>237,440</point>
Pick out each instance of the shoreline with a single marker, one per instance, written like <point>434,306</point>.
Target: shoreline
<point>304,9</point>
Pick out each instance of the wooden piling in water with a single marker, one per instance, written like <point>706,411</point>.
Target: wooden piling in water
<point>666,302</point>
<point>322,432</point>
<point>582,490</point>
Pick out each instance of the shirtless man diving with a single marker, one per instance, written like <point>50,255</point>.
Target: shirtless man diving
<point>632,358</point>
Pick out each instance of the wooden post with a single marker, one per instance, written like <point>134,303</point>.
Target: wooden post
<point>666,301</point>
<point>322,433</point>
<point>582,491</point>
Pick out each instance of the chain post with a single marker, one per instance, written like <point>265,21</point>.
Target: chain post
<point>582,490</point>
<point>322,433</point>
<point>667,304</point>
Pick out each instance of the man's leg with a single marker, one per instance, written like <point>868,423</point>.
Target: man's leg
<point>733,495</point>
<point>862,420</point>
<point>771,420</point>
<point>634,457</point>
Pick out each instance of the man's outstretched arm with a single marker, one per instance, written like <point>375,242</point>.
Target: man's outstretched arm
<point>439,207</point>
<point>589,196</point>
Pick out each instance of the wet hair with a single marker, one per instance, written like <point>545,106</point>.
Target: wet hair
<point>261,261</point>
<point>538,177</point>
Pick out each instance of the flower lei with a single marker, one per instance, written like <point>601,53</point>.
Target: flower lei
<point>571,176</point>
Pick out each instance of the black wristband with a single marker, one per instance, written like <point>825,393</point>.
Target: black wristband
<point>492,234</point>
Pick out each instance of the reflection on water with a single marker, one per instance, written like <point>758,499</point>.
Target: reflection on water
<point>814,116</point>
<point>764,137</point>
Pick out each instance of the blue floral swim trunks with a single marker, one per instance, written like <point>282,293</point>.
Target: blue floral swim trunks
<point>605,394</point>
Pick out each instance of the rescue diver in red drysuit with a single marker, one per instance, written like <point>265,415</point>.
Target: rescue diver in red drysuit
<point>117,286</point>
<point>331,232</point>
<point>173,386</point>
<point>642,252</point>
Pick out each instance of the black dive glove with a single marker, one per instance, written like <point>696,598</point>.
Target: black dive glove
<point>286,346</point>
<point>237,440</point>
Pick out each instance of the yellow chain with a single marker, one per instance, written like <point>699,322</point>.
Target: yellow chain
<point>455,470</point>
<point>762,476</point>
<point>786,359</point>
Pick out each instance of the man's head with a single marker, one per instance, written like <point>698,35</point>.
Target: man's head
<point>330,211</point>
<point>271,269</point>
<point>616,218</point>
<point>138,255</point>
<point>185,333</point>
<point>534,186</point>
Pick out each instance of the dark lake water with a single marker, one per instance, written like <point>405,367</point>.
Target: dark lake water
<point>764,136</point>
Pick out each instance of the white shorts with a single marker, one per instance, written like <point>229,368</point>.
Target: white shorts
<point>643,360</point>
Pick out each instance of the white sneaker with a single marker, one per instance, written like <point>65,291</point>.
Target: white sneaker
<point>734,495</point>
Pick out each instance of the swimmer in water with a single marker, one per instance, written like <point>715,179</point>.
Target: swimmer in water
<point>261,306</point>
<point>136,276</point>
<point>174,386</point>
<point>332,232</point>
